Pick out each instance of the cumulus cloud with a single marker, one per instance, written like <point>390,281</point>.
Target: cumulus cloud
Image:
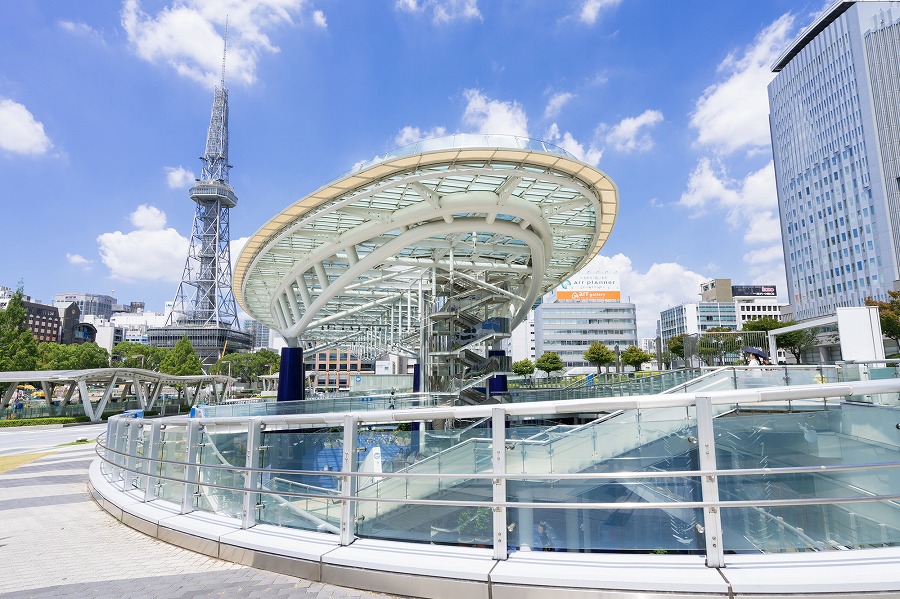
<point>662,286</point>
<point>81,30</point>
<point>567,142</point>
<point>751,204</point>
<point>235,247</point>
<point>590,9</point>
<point>319,19</point>
<point>410,135</point>
<point>765,266</point>
<point>442,11</point>
<point>78,260</point>
<point>20,132</point>
<point>149,253</point>
<point>148,218</point>
<point>556,103</point>
<point>732,114</point>
<point>186,35</point>
<point>178,177</point>
<point>631,134</point>
<point>486,115</point>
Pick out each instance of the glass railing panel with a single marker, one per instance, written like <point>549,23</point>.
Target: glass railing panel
<point>171,447</point>
<point>645,441</point>
<point>424,523</point>
<point>878,373</point>
<point>299,492</point>
<point>141,449</point>
<point>823,436</point>
<point>222,449</point>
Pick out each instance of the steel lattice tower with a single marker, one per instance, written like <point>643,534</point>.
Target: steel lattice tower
<point>205,296</point>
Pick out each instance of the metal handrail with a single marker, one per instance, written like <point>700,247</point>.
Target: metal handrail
<point>125,461</point>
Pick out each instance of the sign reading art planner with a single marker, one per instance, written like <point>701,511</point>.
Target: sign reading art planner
<point>590,286</point>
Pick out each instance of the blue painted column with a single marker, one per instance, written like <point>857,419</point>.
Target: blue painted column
<point>498,383</point>
<point>291,377</point>
<point>415,442</point>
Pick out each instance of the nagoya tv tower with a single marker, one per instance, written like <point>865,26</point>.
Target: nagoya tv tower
<point>204,308</point>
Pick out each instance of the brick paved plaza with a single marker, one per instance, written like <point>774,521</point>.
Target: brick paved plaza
<point>56,542</point>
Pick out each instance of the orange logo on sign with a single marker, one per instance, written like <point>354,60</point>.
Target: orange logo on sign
<point>589,295</point>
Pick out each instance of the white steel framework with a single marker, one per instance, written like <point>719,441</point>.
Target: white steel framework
<point>469,227</point>
<point>205,296</point>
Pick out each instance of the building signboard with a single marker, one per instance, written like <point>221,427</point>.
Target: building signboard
<point>590,286</point>
<point>753,290</point>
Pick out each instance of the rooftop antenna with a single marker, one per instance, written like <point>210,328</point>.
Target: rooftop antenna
<point>224,50</point>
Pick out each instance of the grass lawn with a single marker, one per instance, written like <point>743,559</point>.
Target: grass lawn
<point>9,462</point>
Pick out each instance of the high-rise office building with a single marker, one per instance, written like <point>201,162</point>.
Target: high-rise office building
<point>89,304</point>
<point>834,108</point>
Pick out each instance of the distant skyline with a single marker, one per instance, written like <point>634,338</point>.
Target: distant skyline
<point>104,109</point>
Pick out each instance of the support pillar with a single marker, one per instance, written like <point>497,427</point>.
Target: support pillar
<point>497,384</point>
<point>291,378</point>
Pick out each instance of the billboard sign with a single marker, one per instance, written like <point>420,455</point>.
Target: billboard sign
<point>590,286</point>
<point>753,290</point>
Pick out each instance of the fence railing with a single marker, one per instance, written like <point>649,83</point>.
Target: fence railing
<point>770,470</point>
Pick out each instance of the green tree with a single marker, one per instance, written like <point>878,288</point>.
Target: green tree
<point>18,349</point>
<point>549,362</point>
<point>889,315</point>
<point>53,356</point>
<point>523,367</point>
<point>676,345</point>
<point>89,355</point>
<point>715,343</point>
<point>129,354</point>
<point>599,355</point>
<point>634,356</point>
<point>182,360</point>
<point>764,324</point>
<point>798,342</point>
<point>247,367</point>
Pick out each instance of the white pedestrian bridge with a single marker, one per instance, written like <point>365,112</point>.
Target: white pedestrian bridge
<point>767,483</point>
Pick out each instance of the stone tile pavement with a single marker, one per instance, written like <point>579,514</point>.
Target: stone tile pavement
<point>56,542</point>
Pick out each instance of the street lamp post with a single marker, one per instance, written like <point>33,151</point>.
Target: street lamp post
<point>618,362</point>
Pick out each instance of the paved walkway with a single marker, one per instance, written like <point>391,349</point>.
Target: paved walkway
<point>56,542</point>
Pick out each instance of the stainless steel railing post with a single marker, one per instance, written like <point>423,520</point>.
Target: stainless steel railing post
<point>498,459</point>
<point>349,483</point>
<point>709,485</point>
<point>251,477</point>
<point>191,471</point>
<point>152,465</point>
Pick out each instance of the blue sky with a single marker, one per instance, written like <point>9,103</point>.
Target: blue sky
<point>104,108</point>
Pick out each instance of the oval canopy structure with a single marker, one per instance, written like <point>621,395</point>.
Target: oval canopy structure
<point>437,237</point>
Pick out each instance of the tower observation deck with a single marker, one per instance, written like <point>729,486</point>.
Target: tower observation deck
<point>204,307</point>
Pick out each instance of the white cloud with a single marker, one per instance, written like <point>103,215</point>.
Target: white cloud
<point>485,115</point>
<point>590,9</point>
<point>630,135</point>
<point>443,11</point>
<point>750,204</point>
<point>20,132</point>
<point>81,30</point>
<point>178,177</point>
<point>556,103</point>
<point>568,143</point>
<point>151,253</point>
<point>78,260</point>
<point>733,113</point>
<point>186,35</point>
<point>663,285</point>
<point>319,19</point>
<point>235,247</point>
<point>148,218</point>
<point>765,266</point>
<point>410,135</point>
